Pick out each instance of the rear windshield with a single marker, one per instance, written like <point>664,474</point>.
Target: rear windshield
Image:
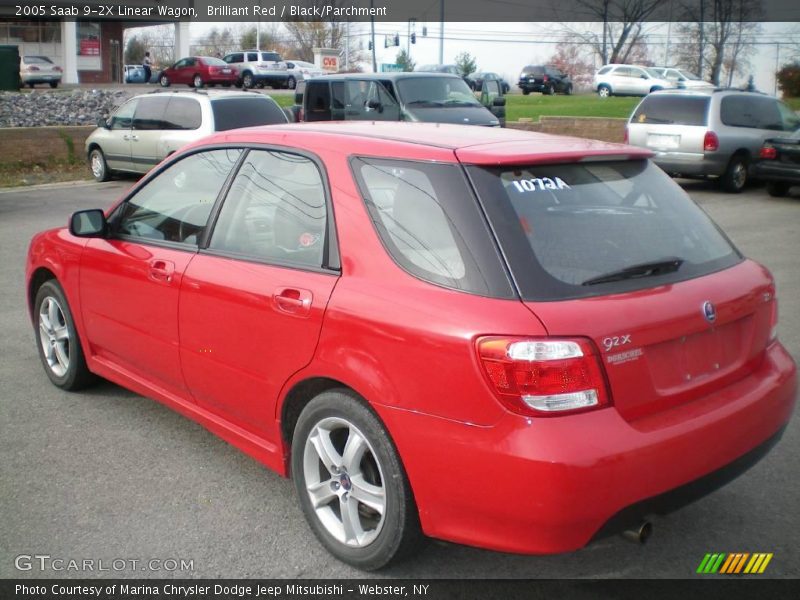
<point>535,71</point>
<point>38,60</point>
<point>435,92</point>
<point>668,110</point>
<point>562,226</point>
<point>232,113</point>
<point>214,62</point>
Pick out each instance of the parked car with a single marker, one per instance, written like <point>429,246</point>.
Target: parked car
<point>545,79</point>
<point>427,97</point>
<point>717,133</point>
<point>299,70</point>
<point>384,312</point>
<point>779,163</point>
<point>256,68</point>
<point>452,70</point>
<point>628,80</point>
<point>479,78</point>
<point>39,69</point>
<point>198,71</point>
<point>682,78</point>
<point>148,128</point>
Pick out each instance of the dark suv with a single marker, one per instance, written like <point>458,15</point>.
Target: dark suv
<point>545,79</point>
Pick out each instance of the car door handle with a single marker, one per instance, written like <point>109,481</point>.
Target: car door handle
<point>293,301</point>
<point>161,270</point>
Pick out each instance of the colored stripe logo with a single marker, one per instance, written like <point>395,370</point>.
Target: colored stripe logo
<point>736,563</point>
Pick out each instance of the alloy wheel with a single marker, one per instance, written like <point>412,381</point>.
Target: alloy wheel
<point>344,482</point>
<point>54,336</point>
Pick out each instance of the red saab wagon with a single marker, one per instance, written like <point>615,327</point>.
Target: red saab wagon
<point>422,323</point>
<point>197,71</point>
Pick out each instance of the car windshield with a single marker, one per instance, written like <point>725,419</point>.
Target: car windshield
<point>435,91</point>
<point>38,60</point>
<point>250,111</point>
<point>657,73</point>
<point>688,75</point>
<point>568,230</point>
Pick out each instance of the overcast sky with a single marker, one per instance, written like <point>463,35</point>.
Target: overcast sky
<point>507,47</point>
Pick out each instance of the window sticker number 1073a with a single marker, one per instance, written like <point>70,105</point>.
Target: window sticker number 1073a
<point>540,183</point>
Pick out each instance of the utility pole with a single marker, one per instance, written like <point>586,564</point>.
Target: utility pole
<point>372,36</point>
<point>347,46</point>
<point>669,32</point>
<point>441,34</point>
<point>777,67</point>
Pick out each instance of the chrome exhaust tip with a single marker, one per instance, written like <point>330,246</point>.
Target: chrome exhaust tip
<point>639,535</point>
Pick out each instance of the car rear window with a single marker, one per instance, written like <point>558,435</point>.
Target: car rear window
<point>535,71</point>
<point>669,110</point>
<point>38,60</point>
<point>233,113</point>
<point>560,226</point>
<point>430,224</point>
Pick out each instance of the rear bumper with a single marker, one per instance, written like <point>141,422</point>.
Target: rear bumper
<point>549,485</point>
<point>26,79</point>
<point>532,87</point>
<point>690,163</point>
<point>777,172</point>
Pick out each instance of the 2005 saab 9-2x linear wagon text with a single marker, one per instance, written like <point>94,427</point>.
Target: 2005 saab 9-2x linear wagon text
<point>500,338</point>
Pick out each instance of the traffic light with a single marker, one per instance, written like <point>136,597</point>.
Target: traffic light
<point>413,38</point>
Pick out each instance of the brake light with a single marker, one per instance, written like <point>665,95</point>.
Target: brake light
<point>544,376</point>
<point>33,68</point>
<point>545,78</point>
<point>768,152</point>
<point>57,69</point>
<point>710,142</point>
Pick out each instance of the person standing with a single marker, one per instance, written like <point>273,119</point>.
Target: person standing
<point>146,62</point>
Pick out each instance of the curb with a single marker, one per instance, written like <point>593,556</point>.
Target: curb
<point>50,186</point>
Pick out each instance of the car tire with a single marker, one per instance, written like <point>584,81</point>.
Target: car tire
<point>54,84</point>
<point>603,91</point>
<point>735,177</point>
<point>778,189</point>
<point>248,81</point>
<point>98,165</point>
<point>197,81</point>
<point>57,339</point>
<point>291,83</point>
<point>549,90</point>
<point>568,90</point>
<point>526,92</point>
<point>366,538</point>
<point>164,81</point>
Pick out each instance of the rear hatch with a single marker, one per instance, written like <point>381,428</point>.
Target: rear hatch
<point>616,252</point>
<point>670,123</point>
<point>533,75</point>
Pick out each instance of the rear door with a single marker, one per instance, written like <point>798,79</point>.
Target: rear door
<point>695,320</point>
<point>252,302</point>
<point>368,100</point>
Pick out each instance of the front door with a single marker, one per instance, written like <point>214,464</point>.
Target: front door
<point>252,303</point>
<point>117,147</point>
<point>130,282</point>
<point>368,100</point>
<point>148,127</point>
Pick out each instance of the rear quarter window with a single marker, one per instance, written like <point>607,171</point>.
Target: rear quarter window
<point>561,226</point>
<point>233,113</point>
<point>668,110</point>
<point>751,112</point>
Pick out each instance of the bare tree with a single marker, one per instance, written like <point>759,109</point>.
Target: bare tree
<point>622,27</point>
<point>575,60</point>
<point>729,29</point>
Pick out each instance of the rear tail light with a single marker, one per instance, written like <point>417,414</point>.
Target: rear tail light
<point>710,142</point>
<point>768,152</point>
<point>545,78</point>
<point>544,376</point>
<point>33,68</point>
<point>57,69</point>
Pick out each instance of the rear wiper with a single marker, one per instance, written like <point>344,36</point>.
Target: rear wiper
<point>656,120</point>
<point>648,269</point>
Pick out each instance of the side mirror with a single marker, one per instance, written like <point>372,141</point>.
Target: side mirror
<point>499,101</point>
<point>88,223</point>
<point>102,122</point>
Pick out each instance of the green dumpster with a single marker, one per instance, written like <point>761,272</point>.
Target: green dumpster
<point>9,68</point>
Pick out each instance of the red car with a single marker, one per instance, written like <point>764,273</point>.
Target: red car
<point>499,338</point>
<point>197,71</point>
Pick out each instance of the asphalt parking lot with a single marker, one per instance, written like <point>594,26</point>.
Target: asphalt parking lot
<point>107,474</point>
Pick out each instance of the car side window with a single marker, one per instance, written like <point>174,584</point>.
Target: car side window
<point>181,63</point>
<point>318,101</point>
<point>123,118</point>
<point>751,112</point>
<point>150,113</point>
<point>252,56</point>
<point>175,205</point>
<point>275,211</point>
<point>183,114</point>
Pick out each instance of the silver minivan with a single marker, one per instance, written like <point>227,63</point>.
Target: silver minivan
<point>149,127</point>
<point>713,133</point>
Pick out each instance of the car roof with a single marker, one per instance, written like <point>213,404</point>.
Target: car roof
<point>706,91</point>
<point>208,94</point>
<point>471,144</point>
<point>390,76</point>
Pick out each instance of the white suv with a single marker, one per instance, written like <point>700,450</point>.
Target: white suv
<point>258,68</point>
<point>628,80</point>
<point>148,128</point>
